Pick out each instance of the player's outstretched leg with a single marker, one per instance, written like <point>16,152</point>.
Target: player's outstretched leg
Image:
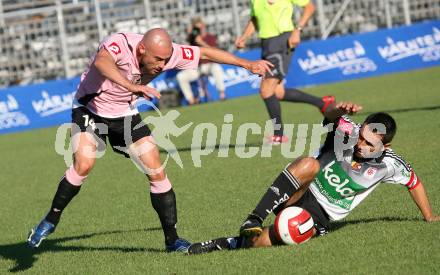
<point>217,245</point>
<point>265,239</point>
<point>68,188</point>
<point>163,198</point>
<point>295,95</point>
<point>290,185</point>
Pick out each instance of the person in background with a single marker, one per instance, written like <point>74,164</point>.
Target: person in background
<point>279,37</point>
<point>197,36</point>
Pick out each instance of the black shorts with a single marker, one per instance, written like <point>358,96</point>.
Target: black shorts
<point>320,217</point>
<point>119,135</point>
<point>276,50</point>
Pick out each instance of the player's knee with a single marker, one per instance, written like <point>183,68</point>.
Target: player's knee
<point>84,167</point>
<point>266,93</point>
<point>157,176</point>
<point>304,169</point>
<point>311,165</point>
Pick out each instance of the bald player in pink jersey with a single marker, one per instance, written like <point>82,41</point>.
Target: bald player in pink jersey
<point>105,107</point>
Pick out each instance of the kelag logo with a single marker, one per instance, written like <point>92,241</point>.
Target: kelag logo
<point>350,60</point>
<point>427,46</point>
<point>336,185</point>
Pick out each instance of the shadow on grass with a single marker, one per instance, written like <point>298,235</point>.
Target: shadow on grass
<point>340,224</point>
<point>215,147</point>
<point>405,110</point>
<point>25,257</point>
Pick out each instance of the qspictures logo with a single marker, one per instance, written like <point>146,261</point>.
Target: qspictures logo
<point>207,138</point>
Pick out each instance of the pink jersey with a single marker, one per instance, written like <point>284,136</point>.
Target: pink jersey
<point>108,99</point>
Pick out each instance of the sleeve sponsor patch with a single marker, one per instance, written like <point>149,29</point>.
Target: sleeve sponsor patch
<point>345,126</point>
<point>114,48</point>
<point>187,53</point>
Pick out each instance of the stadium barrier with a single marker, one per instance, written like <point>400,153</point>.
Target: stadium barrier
<point>314,62</point>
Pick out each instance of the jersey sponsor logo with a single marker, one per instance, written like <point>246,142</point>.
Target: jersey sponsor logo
<point>187,53</point>
<point>336,185</point>
<point>114,48</point>
<point>370,172</point>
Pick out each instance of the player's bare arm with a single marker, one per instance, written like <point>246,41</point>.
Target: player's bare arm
<point>336,110</point>
<point>250,28</point>
<point>106,65</point>
<point>420,198</point>
<point>260,67</point>
<point>295,37</point>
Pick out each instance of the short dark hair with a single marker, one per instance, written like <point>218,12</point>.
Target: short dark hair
<point>387,121</point>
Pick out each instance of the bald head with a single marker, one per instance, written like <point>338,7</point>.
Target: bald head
<point>157,38</point>
<point>154,50</point>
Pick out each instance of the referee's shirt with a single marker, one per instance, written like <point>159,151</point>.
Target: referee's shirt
<point>274,17</point>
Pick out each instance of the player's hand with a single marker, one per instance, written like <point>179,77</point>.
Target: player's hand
<point>348,107</point>
<point>294,39</point>
<point>144,91</point>
<point>433,218</point>
<point>240,42</point>
<point>260,67</point>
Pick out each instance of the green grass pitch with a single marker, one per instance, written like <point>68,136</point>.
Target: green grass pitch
<point>110,227</point>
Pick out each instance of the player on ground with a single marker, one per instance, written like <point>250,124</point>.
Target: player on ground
<point>350,165</point>
<point>105,106</point>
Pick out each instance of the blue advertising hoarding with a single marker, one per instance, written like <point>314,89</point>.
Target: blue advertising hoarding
<point>364,55</point>
<point>314,62</point>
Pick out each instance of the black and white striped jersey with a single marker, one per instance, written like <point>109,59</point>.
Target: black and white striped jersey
<point>343,183</point>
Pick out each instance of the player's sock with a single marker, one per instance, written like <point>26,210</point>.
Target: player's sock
<point>236,242</point>
<point>277,195</point>
<point>294,95</point>
<point>65,193</point>
<point>274,109</point>
<point>163,200</point>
